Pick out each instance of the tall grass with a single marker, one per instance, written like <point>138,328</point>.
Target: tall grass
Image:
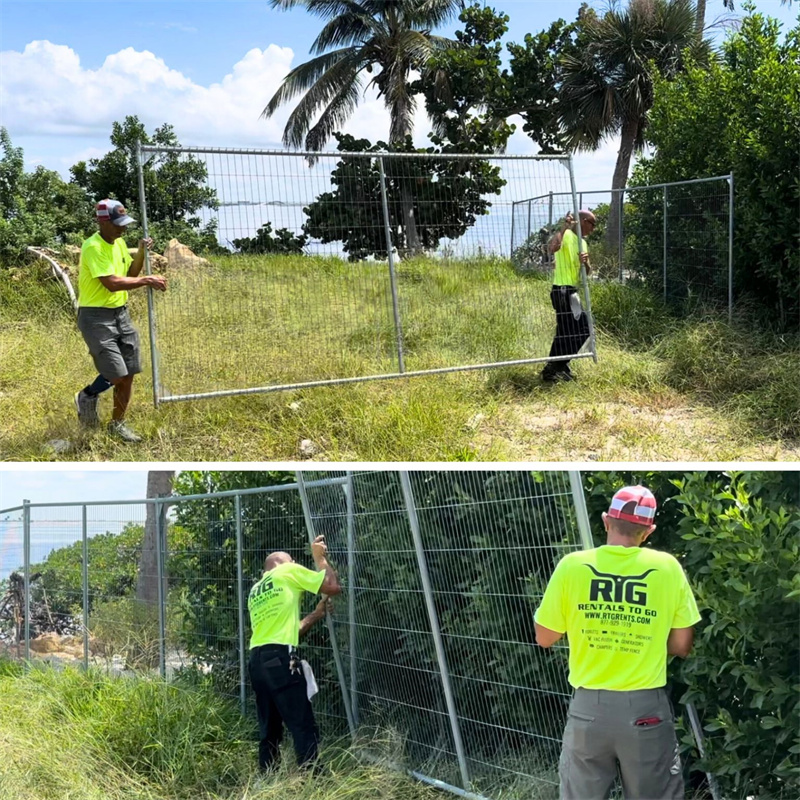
<point>70,735</point>
<point>663,388</point>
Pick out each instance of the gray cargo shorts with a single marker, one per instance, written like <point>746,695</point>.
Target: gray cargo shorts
<point>112,340</point>
<point>601,730</point>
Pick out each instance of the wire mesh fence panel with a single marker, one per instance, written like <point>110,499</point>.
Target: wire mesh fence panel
<point>698,240</point>
<point>492,540</point>
<point>122,599</point>
<point>12,583</point>
<point>538,219</point>
<point>675,238</point>
<point>337,267</point>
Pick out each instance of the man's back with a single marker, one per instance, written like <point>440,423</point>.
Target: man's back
<point>617,605</point>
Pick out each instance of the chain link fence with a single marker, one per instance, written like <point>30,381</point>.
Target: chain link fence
<point>676,238</point>
<point>323,268</point>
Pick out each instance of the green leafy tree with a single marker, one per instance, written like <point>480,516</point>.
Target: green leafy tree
<point>393,37</point>
<point>607,87</point>
<point>175,185</point>
<point>113,566</point>
<point>36,208</point>
<point>448,196</point>
<point>750,98</point>
<point>470,95</point>
<point>265,241</point>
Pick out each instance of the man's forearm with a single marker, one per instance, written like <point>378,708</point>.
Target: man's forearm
<point>137,263</point>
<point>120,283</point>
<point>330,573</point>
<point>307,623</point>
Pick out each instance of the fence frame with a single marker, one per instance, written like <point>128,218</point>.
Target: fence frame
<point>145,152</point>
<point>620,193</point>
<point>301,486</point>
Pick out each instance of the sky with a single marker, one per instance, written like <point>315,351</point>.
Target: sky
<point>69,69</point>
<point>58,527</point>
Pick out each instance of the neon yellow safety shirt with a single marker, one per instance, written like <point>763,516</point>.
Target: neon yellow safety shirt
<point>617,604</point>
<point>98,259</point>
<point>568,265</point>
<point>274,603</point>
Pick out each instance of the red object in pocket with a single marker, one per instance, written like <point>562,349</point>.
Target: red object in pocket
<point>647,721</point>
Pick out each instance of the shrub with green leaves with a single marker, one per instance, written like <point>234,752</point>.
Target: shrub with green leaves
<point>738,538</point>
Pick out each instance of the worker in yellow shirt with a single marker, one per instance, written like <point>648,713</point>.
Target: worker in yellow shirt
<point>280,679</point>
<point>105,276</point>
<point>572,324</point>
<point>624,609</point>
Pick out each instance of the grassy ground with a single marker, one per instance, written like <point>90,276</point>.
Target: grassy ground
<point>662,389</point>
<point>68,735</point>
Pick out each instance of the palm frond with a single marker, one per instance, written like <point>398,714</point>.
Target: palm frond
<point>335,115</point>
<point>303,76</point>
<point>433,13</point>
<point>330,85</point>
<point>346,29</point>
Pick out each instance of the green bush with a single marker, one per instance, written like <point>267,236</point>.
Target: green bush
<point>630,312</point>
<point>738,538</point>
<point>749,97</point>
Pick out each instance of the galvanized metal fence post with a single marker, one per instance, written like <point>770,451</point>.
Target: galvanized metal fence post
<point>237,506</point>
<point>433,617</point>
<point>584,279</point>
<point>549,256</point>
<point>581,512</point>
<point>730,248</point>
<point>162,628</point>
<point>530,205</point>
<point>665,244</point>
<point>26,557</point>
<point>85,584</point>
<point>351,591</point>
<point>387,229</point>
<point>151,316</point>
<point>513,220</point>
<point>337,658</point>
<point>697,731</point>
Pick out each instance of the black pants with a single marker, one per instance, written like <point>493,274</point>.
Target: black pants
<point>281,698</point>
<point>571,333</point>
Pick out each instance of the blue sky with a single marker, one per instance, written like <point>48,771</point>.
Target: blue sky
<point>70,68</point>
<point>58,527</point>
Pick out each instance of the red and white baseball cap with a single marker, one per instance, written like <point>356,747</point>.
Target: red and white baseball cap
<point>634,504</point>
<point>113,211</point>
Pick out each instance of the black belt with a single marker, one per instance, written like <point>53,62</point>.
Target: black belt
<point>571,288</point>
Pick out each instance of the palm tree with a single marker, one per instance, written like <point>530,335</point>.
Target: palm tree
<point>608,88</point>
<point>393,36</point>
<point>701,11</point>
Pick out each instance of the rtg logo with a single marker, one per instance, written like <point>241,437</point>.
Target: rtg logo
<point>618,588</point>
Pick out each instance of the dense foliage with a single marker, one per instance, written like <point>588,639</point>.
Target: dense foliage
<point>175,185</point>
<point>36,208</point>
<point>446,195</point>
<point>738,538</point>
<point>265,241</point>
<point>750,99</point>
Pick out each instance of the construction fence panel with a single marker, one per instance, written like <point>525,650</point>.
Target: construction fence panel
<point>675,238</point>
<point>329,268</point>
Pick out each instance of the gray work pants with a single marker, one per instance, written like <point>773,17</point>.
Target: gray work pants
<point>601,730</point>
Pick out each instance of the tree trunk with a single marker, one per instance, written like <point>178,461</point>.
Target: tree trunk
<point>701,17</point>
<point>159,484</point>
<point>411,235</point>
<point>619,181</point>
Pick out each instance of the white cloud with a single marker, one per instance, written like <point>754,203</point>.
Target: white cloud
<point>47,92</point>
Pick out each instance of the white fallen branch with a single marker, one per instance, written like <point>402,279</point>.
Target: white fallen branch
<point>58,272</point>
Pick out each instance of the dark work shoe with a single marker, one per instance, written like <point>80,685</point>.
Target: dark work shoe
<point>86,406</point>
<point>119,430</point>
<point>564,375</point>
